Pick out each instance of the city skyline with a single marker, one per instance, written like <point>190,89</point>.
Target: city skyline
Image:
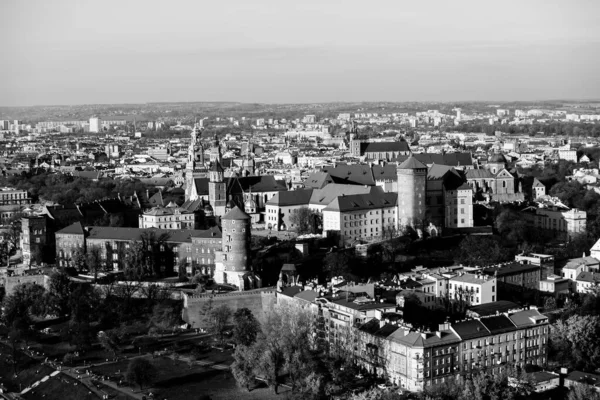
<point>271,52</point>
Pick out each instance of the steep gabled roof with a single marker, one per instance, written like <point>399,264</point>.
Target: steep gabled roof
<point>318,180</point>
<point>498,324</point>
<point>74,229</point>
<point>256,184</point>
<point>291,198</point>
<point>373,200</point>
<point>537,183</point>
<point>330,192</point>
<point>381,147</point>
<point>479,174</point>
<point>385,172</point>
<point>358,174</point>
<point>201,186</point>
<point>470,329</point>
<point>452,159</point>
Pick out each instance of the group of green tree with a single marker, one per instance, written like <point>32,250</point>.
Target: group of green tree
<point>66,189</point>
<point>284,348</point>
<point>575,334</point>
<point>112,309</point>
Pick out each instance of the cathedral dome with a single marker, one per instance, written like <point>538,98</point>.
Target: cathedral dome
<point>497,158</point>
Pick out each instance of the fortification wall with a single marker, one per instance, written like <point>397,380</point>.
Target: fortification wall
<point>258,301</point>
<point>12,281</point>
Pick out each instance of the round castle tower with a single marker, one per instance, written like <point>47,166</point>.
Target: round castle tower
<point>232,263</point>
<point>412,180</point>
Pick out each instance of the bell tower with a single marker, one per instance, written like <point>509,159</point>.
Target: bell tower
<point>195,160</point>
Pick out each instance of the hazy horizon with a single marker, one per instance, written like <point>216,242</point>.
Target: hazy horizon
<point>68,52</point>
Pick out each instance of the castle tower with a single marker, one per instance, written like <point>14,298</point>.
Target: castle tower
<point>215,150</point>
<point>195,160</point>
<point>248,166</point>
<point>217,191</point>
<point>232,263</point>
<point>412,182</point>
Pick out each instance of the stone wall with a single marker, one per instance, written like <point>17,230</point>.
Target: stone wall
<point>258,301</point>
<point>12,281</point>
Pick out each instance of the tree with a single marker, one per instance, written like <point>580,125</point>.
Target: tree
<point>59,293</point>
<point>147,256</point>
<point>575,341</point>
<point>243,368</point>
<point>286,344</point>
<point>141,371</point>
<point>511,226</point>
<point>26,299</point>
<point>304,220</point>
<point>219,318</point>
<point>245,327</point>
<point>579,391</point>
<point>94,261</point>
<point>341,263</point>
<point>479,251</point>
<point>84,301</point>
<point>108,343</point>
<point>164,317</point>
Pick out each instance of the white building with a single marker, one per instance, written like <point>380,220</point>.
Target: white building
<point>569,155</point>
<point>170,217</point>
<point>94,124</point>
<point>474,289</point>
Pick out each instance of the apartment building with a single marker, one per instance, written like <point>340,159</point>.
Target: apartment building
<point>587,281</point>
<point>10,196</point>
<point>516,275</point>
<point>415,359</point>
<point>565,222</point>
<point>474,289</point>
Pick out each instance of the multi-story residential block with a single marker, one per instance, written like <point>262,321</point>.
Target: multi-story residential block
<point>95,125</point>
<point>415,359</point>
<point>565,222</point>
<point>587,281</point>
<point>569,155</point>
<point>575,266</point>
<point>544,261</point>
<point>516,275</point>
<point>14,196</point>
<point>473,289</point>
<point>555,284</point>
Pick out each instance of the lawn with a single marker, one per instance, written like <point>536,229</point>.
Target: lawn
<point>28,372</point>
<point>219,385</point>
<point>176,380</point>
<point>61,387</point>
<point>167,368</point>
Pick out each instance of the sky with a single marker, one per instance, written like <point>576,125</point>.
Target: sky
<point>282,51</point>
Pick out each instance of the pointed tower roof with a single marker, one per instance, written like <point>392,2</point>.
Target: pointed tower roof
<point>237,214</point>
<point>412,163</point>
<point>216,167</point>
<point>537,183</point>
